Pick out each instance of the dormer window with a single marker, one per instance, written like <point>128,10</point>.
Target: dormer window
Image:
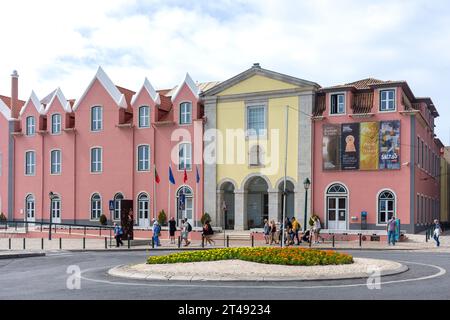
<point>56,123</point>
<point>337,104</point>
<point>96,119</point>
<point>144,117</point>
<point>186,113</point>
<point>387,100</point>
<point>31,126</point>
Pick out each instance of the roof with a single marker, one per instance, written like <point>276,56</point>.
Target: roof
<point>36,103</point>
<point>56,94</point>
<point>363,84</point>
<point>150,90</point>
<point>127,93</point>
<point>191,85</point>
<point>7,101</point>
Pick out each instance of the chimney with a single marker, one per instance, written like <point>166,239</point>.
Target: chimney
<point>15,108</point>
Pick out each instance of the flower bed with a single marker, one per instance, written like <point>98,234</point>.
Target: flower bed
<point>281,256</point>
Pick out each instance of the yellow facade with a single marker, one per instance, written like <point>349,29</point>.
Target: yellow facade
<point>232,115</point>
<point>445,186</point>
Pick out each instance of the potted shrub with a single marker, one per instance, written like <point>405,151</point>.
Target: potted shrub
<point>3,217</point>
<point>162,218</point>
<point>205,217</point>
<point>103,220</point>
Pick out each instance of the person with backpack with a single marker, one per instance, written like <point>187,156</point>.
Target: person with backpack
<point>118,232</point>
<point>156,233</point>
<point>208,233</point>
<point>391,225</point>
<point>437,232</point>
<point>172,229</point>
<point>185,229</point>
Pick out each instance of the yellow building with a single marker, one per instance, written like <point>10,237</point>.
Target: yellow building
<point>445,186</point>
<point>245,147</point>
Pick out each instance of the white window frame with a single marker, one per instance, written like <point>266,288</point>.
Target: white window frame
<point>185,156</point>
<point>141,208</point>
<point>30,127</point>
<point>251,134</point>
<point>33,209</point>
<point>57,165</point>
<point>98,162</point>
<point>30,165</point>
<point>190,196</point>
<point>185,115</point>
<point>144,119</point>
<point>98,210</point>
<point>145,162</point>
<point>56,123</point>
<point>118,197</point>
<point>388,100</point>
<point>54,208</point>
<point>344,112</point>
<point>96,124</point>
<point>378,223</point>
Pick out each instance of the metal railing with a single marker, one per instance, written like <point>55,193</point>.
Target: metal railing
<point>15,224</point>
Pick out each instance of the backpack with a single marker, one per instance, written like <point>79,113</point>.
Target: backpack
<point>189,227</point>
<point>120,231</point>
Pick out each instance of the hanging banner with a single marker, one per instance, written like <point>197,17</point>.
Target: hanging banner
<point>330,147</point>
<point>350,146</point>
<point>389,145</point>
<point>369,146</point>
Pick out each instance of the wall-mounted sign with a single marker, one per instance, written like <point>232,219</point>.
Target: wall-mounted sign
<point>389,145</point>
<point>350,146</point>
<point>330,147</point>
<point>368,155</point>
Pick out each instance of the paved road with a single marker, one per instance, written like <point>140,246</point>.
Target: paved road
<point>46,278</point>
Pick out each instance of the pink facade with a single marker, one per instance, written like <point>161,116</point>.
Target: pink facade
<point>341,197</point>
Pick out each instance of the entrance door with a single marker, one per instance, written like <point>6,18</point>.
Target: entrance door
<point>30,208</point>
<point>56,210</point>
<point>144,211</point>
<point>185,205</point>
<point>337,213</point>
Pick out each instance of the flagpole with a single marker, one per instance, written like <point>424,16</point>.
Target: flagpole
<point>196,202</point>
<point>155,208</point>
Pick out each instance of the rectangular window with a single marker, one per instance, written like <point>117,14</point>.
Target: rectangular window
<point>96,119</point>
<point>337,104</point>
<point>30,163</point>
<point>185,157</point>
<point>422,152</point>
<point>143,158</point>
<point>56,123</point>
<point>55,159</point>
<point>256,121</point>
<point>96,160</point>
<point>387,100</point>
<point>418,151</point>
<point>186,113</point>
<point>144,117</point>
<point>31,126</point>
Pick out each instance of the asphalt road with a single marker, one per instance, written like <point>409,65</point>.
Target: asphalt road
<point>47,277</point>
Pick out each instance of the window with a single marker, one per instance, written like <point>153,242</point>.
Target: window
<point>185,203</point>
<point>96,206</point>
<point>422,156</point>
<point>55,158</point>
<point>386,206</point>
<point>418,151</point>
<point>185,156</point>
<point>143,206</point>
<point>387,100</point>
<point>337,104</point>
<point>117,205</point>
<point>418,208</point>
<point>185,113</point>
<point>96,160</point>
<point>56,208</point>
<point>31,126</point>
<point>96,119</point>
<point>144,117</point>
<point>256,121</point>
<point>56,123</point>
<point>30,207</point>
<point>30,163</point>
<point>256,157</point>
<point>144,158</point>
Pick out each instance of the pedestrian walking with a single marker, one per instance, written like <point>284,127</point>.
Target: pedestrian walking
<point>208,233</point>
<point>437,232</point>
<point>317,226</point>
<point>287,231</point>
<point>118,232</point>
<point>172,229</point>
<point>156,232</point>
<point>391,225</point>
<point>185,229</point>
<point>267,231</point>
<point>273,232</point>
<point>295,230</point>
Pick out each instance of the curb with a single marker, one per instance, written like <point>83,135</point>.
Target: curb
<point>134,275</point>
<point>21,255</point>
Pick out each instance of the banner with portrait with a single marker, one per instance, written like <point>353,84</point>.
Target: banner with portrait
<point>368,153</point>
<point>389,145</point>
<point>330,147</point>
<point>350,146</point>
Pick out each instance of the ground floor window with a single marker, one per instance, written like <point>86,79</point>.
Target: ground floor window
<point>117,205</point>
<point>96,207</point>
<point>386,206</point>
<point>30,207</point>
<point>185,203</point>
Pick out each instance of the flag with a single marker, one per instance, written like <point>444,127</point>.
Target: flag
<point>171,178</point>
<point>185,178</point>
<point>198,175</point>
<point>157,180</point>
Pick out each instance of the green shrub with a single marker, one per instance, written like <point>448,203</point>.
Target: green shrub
<point>281,256</point>
<point>162,218</point>
<point>2,217</point>
<point>103,220</point>
<point>205,217</point>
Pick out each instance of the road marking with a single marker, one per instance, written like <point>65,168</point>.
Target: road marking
<point>441,272</point>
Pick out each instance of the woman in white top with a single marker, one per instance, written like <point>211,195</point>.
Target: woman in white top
<point>316,228</point>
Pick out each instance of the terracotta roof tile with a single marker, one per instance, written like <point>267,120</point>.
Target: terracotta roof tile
<point>7,101</point>
<point>128,94</point>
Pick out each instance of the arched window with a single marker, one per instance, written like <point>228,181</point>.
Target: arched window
<point>143,208</point>
<point>96,206</point>
<point>185,204</point>
<point>30,207</point>
<point>337,207</point>
<point>386,206</point>
<point>117,205</point>
<point>256,156</point>
<point>337,189</point>
<point>56,208</point>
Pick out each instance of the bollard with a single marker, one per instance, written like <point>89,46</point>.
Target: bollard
<point>426,236</point>
<point>9,245</point>
<point>100,232</point>
<point>42,243</point>
<point>84,230</point>
<point>41,227</point>
<point>153,242</point>
<point>106,243</point>
<point>360,239</point>
<point>60,243</point>
<point>310,239</point>
<point>203,241</point>
<point>129,243</point>
<point>333,240</point>
<point>84,243</point>
<point>179,242</point>
<point>24,243</point>
<point>228,241</point>
<point>253,240</point>
<point>70,229</point>
<point>16,226</point>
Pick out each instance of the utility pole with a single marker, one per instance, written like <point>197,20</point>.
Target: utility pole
<point>285,176</point>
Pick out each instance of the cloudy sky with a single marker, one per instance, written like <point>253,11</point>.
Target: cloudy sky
<point>61,43</point>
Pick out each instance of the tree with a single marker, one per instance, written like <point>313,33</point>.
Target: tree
<point>103,220</point>
<point>162,218</point>
<point>205,217</point>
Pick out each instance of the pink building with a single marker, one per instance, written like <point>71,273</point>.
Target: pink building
<point>106,147</point>
<point>375,155</point>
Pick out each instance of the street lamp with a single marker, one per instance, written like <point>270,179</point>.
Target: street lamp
<point>52,196</point>
<point>306,184</point>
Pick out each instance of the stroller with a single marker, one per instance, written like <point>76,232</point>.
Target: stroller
<point>306,236</point>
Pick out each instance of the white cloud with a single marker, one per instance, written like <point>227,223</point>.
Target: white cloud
<point>60,43</point>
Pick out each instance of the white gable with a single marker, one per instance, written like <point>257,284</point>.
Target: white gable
<point>191,85</point>
<point>36,103</point>
<point>109,86</point>
<point>4,110</point>
<point>151,91</point>
<point>58,94</point>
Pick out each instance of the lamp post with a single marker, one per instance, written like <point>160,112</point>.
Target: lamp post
<point>51,195</point>
<point>306,184</point>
